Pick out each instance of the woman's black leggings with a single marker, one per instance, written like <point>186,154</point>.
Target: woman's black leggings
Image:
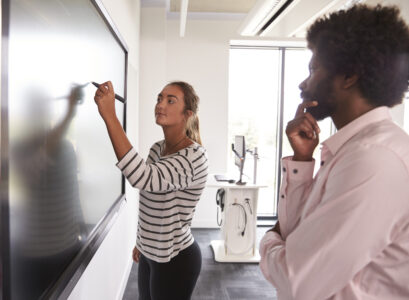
<point>174,280</point>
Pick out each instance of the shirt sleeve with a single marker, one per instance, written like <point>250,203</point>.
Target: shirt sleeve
<point>295,188</point>
<point>176,172</point>
<point>362,207</point>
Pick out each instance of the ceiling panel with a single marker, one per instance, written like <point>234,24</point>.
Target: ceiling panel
<point>214,6</point>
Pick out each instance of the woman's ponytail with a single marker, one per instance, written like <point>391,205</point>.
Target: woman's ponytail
<point>192,129</point>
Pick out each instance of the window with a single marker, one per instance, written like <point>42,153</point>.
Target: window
<point>263,97</point>
<point>296,70</point>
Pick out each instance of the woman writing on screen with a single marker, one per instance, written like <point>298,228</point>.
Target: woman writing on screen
<point>171,182</point>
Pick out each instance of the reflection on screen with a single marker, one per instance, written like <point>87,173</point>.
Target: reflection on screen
<point>63,177</point>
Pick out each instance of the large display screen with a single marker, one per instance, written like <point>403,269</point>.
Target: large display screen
<point>62,177</point>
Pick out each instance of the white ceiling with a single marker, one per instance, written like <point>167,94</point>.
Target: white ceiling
<point>295,20</point>
<point>214,6</point>
<point>291,23</point>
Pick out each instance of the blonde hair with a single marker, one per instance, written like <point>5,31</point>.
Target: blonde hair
<point>191,103</point>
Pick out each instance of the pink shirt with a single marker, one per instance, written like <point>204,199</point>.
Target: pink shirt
<point>345,232</point>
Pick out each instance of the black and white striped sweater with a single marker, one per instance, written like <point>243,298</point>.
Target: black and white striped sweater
<point>170,187</point>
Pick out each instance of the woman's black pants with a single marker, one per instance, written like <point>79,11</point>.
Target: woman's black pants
<point>174,280</point>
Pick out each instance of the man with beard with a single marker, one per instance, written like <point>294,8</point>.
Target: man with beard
<point>345,233</point>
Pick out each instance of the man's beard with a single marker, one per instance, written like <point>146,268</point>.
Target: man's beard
<point>323,95</point>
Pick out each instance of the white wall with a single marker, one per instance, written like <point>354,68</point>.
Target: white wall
<point>200,58</point>
<point>107,273</point>
<point>153,73</point>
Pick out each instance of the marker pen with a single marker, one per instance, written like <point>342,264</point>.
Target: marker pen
<point>117,97</point>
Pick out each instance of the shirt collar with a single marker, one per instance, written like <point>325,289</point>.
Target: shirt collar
<point>336,141</point>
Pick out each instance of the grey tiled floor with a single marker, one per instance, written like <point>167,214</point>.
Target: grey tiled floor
<point>219,281</point>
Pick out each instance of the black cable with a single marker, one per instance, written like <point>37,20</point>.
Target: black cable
<point>245,217</point>
<point>219,202</point>
<point>247,200</point>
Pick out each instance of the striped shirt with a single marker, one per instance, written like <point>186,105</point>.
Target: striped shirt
<point>170,187</point>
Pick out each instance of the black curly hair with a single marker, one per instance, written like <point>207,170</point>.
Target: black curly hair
<point>371,42</point>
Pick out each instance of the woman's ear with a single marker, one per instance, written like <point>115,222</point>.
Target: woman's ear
<point>188,113</point>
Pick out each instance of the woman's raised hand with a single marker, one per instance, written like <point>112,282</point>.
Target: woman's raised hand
<point>302,132</point>
<point>105,99</point>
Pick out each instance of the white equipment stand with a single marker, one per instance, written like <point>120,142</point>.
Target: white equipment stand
<point>240,203</point>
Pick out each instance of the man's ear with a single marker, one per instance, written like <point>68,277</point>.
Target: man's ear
<point>350,80</point>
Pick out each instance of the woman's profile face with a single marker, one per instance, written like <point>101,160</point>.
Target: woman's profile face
<point>169,109</point>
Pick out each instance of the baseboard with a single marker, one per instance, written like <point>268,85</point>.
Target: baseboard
<point>124,280</point>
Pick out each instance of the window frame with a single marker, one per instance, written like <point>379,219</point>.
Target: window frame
<point>282,47</point>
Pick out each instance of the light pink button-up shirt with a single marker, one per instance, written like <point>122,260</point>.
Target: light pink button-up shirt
<point>345,232</point>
